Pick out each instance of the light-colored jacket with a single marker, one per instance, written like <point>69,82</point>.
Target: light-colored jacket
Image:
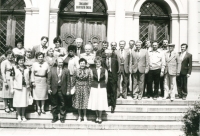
<point>173,63</point>
<point>140,63</point>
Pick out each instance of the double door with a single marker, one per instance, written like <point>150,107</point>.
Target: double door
<point>90,29</point>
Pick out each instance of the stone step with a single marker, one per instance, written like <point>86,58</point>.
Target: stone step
<point>110,125</point>
<point>137,108</point>
<point>105,116</point>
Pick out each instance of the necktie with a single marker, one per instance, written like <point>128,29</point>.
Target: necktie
<point>170,54</point>
<point>108,64</point>
<point>59,75</point>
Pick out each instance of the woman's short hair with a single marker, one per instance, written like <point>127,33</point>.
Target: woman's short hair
<point>49,50</point>
<point>57,39</point>
<point>79,40</point>
<point>19,57</point>
<point>44,37</point>
<point>38,54</point>
<point>82,60</point>
<point>9,52</point>
<point>19,41</point>
<point>97,59</point>
<point>185,45</point>
<point>71,48</point>
<point>88,45</point>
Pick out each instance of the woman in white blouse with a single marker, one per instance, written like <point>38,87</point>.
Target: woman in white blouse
<point>19,49</point>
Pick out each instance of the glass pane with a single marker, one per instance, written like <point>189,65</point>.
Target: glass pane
<point>12,4</point>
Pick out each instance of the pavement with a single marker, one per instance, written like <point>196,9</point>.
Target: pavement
<point>78,132</point>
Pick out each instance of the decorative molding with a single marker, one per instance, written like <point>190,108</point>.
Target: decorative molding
<point>69,38</point>
<point>136,15</point>
<point>183,16</point>
<point>111,12</point>
<point>54,10</point>
<point>174,16</point>
<point>94,38</point>
<point>129,13</point>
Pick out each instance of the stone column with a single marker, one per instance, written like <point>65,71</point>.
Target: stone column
<point>53,26</point>
<point>35,29</point>
<point>111,27</point>
<point>28,28</point>
<point>193,29</point>
<point>175,31</point>
<point>119,21</point>
<point>44,10</point>
<point>129,27</point>
<point>136,25</point>
<point>183,28</point>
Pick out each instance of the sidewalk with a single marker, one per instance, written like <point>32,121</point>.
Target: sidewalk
<point>78,132</point>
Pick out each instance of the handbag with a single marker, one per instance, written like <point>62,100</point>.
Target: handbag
<point>73,90</point>
<point>30,99</point>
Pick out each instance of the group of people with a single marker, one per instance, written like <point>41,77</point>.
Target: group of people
<point>87,77</point>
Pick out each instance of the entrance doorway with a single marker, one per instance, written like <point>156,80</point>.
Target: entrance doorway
<point>154,22</point>
<point>91,27</point>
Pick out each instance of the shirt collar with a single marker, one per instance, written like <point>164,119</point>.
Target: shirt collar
<point>99,68</point>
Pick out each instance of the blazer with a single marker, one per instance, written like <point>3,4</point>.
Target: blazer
<point>102,78</point>
<point>17,80</point>
<point>141,63</point>
<point>52,80</point>
<point>126,60</point>
<point>186,64</point>
<point>101,53</point>
<point>82,50</point>
<point>173,64</point>
<point>114,68</point>
<point>36,49</point>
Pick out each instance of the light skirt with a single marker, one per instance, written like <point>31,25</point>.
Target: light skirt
<point>98,99</point>
<point>20,97</point>
<point>40,89</point>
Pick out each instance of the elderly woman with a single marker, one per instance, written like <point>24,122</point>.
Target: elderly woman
<point>58,50</point>
<point>20,87</point>
<point>29,60</point>
<point>19,50</point>
<point>40,70</point>
<point>50,58</point>
<point>6,72</point>
<point>98,94</point>
<point>81,82</point>
<point>88,55</point>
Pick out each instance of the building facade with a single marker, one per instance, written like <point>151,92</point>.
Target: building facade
<point>111,20</point>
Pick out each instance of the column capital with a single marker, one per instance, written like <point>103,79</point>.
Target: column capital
<point>54,10</point>
<point>111,13</point>
<point>136,15</point>
<point>183,16</point>
<point>129,14</point>
<point>174,16</point>
<point>35,10</point>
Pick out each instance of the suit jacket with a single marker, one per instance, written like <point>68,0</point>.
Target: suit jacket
<point>173,64</point>
<point>17,82</point>
<point>82,50</point>
<point>101,53</point>
<point>126,60</point>
<point>114,68</point>
<point>36,49</point>
<point>140,63</point>
<point>186,64</point>
<point>52,80</point>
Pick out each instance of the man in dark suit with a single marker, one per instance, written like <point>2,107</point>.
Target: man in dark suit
<point>112,66</point>
<point>42,47</point>
<point>186,69</point>
<point>58,87</point>
<point>101,52</point>
<point>95,46</point>
<point>139,66</point>
<point>114,49</point>
<point>123,59</point>
<point>79,47</point>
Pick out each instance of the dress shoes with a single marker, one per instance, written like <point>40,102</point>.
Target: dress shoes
<point>178,97</point>
<point>184,98</point>
<point>112,109</point>
<point>62,120</point>
<point>139,98</point>
<point>54,120</point>
<point>134,98</point>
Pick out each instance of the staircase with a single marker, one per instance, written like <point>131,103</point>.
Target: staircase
<point>130,114</point>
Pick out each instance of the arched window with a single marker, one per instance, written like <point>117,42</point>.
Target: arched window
<point>154,21</point>
<point>12,21</point>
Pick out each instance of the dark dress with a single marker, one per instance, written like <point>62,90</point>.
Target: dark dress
<point>82,83</point>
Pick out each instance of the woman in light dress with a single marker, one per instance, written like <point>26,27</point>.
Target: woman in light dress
<point>59,51</point>
<point>20,87</point>
<point>6,72</point>
<point>19,49</point>
<point>39,73</point>
<point>98,94</point>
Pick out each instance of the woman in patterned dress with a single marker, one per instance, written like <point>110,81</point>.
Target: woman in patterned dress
<point>82,83</point>
<point>20,87</point>
<point>50,58</point>
<point>6,71</point>
<point>39,73</point>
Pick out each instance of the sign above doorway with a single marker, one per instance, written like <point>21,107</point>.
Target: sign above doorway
<point>83,6</point>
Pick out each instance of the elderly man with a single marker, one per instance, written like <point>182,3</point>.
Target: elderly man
<point>186,69</point>
<point>156,70</point>
<point>79,47</point>
<point>172,70</point>
<point>114,49</point>
<point>88,55</point>
<point>111,64</point>
<point>163,49</point>
<point>42,47</point>
<point>123,59</point>
<point>58,86</point>
<point>139,66</point>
